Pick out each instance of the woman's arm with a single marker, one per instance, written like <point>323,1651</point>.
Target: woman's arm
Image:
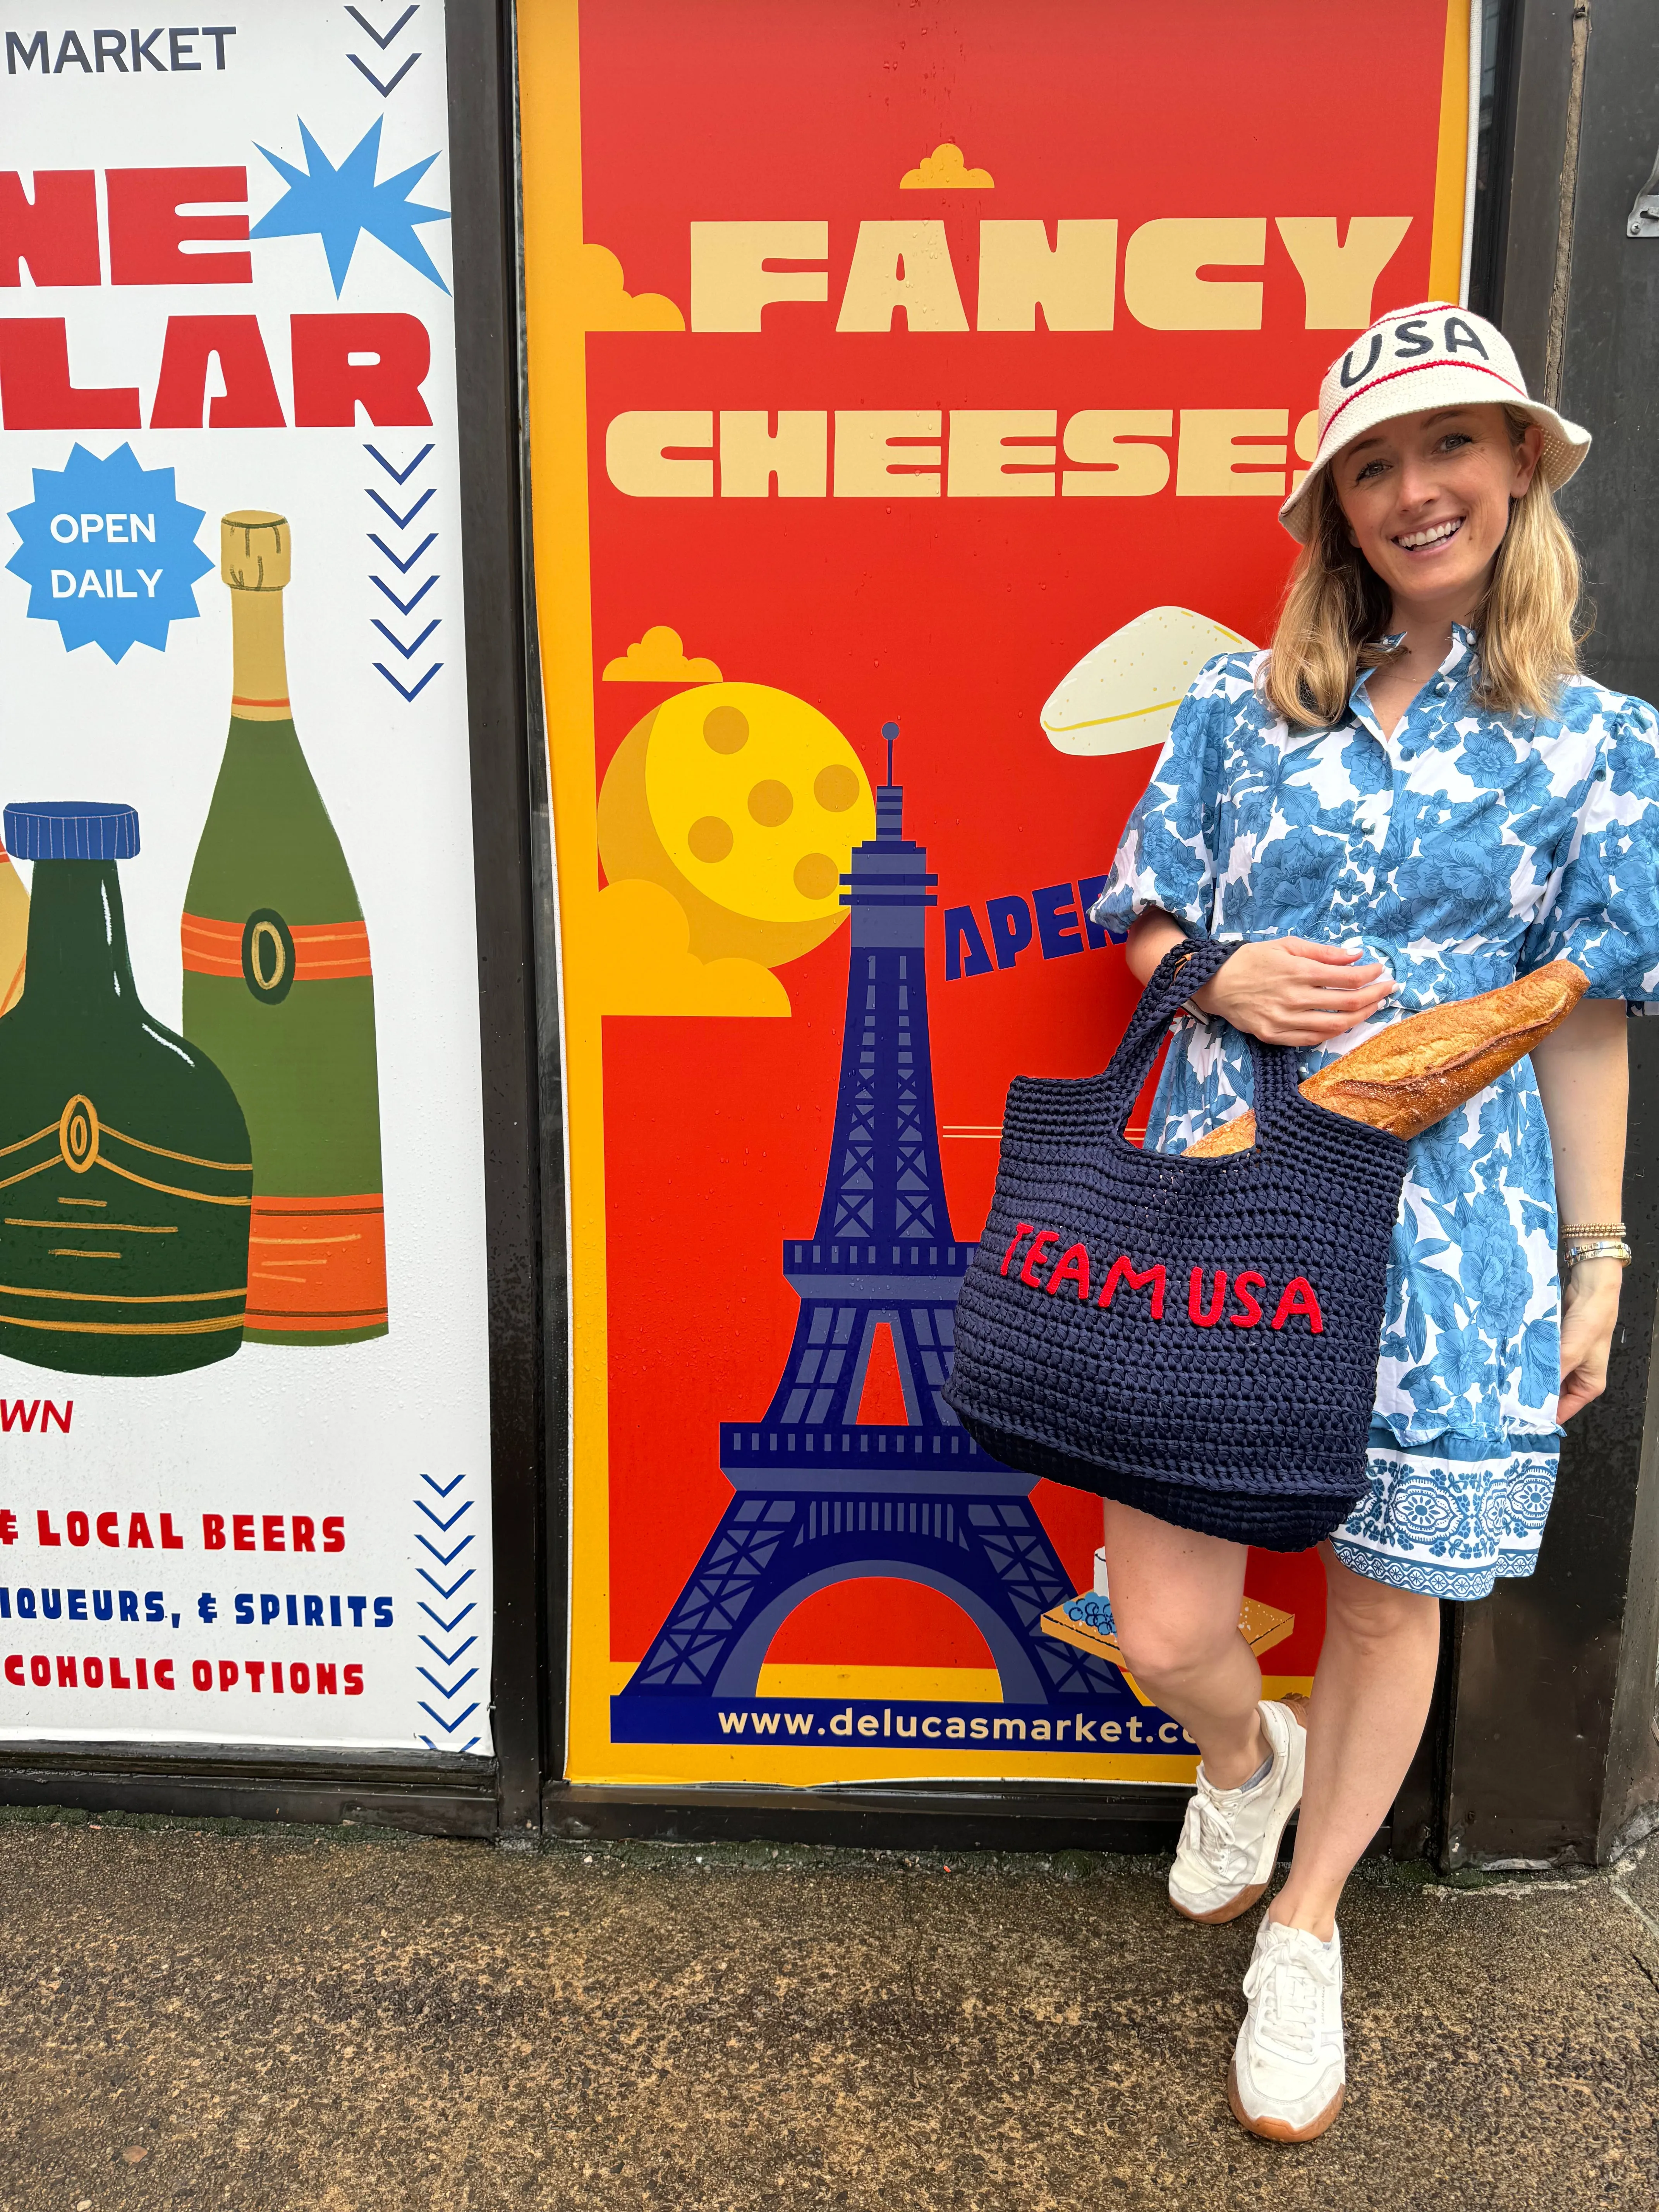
<point>1285,991</point>
<point>1583,1078</point>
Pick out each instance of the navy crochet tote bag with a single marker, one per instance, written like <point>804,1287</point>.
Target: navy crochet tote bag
<point>1197,1338</point>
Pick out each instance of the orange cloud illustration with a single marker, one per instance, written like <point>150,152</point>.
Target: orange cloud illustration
<point>603,304</point>
<point>944,171</point>
<point>648,968</point>
<point>660,658</point>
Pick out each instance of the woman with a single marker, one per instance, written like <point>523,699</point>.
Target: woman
<point>1413,798</point>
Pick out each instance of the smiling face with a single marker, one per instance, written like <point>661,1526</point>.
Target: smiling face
<point>1427,501</point>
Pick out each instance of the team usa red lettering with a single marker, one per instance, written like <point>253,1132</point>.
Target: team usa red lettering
<point>1044,1268</point>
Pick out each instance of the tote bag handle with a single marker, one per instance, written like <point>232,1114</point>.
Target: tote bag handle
<point>1184,968</point>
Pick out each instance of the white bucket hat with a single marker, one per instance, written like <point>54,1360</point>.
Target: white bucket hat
<point>1414,359</point>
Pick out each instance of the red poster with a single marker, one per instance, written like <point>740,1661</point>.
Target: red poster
<point>938,367</point>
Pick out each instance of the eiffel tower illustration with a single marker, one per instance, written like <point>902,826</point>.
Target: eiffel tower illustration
<point>819,1497</point>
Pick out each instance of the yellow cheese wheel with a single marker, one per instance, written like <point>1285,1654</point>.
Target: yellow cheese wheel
<point>745,802</point>
<point>757,799</point>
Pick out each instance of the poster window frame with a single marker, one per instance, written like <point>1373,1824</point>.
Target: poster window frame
<point>902,1811</point>
<point>435,1791</point>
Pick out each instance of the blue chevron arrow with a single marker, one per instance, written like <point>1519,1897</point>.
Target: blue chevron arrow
<point>383,39</point>
<point>386,91</point>
<point>430,1746</point>
<point>443,1489</point>
<point>403,521</point>
<point>403,567</point>
<point>399,475</point>
<point>465,1506</point>
<point>410,695</point>
<point>392,638</point>
<point>404,606</point>
<point>439,1686</point>
<point>449,1727</point>
<point>449,1658</point>
<point>444,1558</point>
<point>447,1627</point>
<point>438,1586</point>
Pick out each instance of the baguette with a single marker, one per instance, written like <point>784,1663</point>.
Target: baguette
<point>1415,1072</point>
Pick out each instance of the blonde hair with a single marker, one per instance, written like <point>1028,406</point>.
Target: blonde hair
<point>1336,608</point>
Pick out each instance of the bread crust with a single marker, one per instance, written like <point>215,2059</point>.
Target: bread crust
<point>1417,1071</point>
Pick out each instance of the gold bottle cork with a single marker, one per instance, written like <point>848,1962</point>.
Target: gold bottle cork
<point>254,551</point>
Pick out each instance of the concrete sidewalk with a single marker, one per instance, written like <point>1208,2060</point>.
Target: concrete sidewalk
<point>357,2022</point>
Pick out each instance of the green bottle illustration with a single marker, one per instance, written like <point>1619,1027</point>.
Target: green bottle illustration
<point>279,990</point>
<point>125,1173</point>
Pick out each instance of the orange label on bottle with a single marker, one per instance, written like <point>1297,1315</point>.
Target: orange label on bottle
<point>316,1267</point>
<point>322,950</point>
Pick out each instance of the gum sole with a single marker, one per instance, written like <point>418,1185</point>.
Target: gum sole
<point>1240,1905</point>
<point>1280,2131</point>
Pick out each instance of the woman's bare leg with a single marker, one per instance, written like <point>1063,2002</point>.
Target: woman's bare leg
<point>1370,1699</point>
<point>1176,1597</point>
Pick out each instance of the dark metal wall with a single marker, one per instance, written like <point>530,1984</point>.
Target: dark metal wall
<point>1546,1745</point>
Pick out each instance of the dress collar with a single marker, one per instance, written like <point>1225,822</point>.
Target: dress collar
<point>1456,669</point>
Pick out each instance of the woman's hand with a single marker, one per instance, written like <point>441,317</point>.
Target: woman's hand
<point>1589,1314</point>
<point>1289,990</point>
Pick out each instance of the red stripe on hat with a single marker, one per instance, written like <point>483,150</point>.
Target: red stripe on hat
<point>1477,369</point>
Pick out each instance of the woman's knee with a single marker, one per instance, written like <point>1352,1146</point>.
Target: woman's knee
<point>1369,1612</point>
<point>1165,1648</point>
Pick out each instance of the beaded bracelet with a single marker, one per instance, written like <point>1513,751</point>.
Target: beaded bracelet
<point>1579,1232</point>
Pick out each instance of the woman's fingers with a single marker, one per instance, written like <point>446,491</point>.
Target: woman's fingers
<point>1301,1033</point>
<point>1309,949</point>
<point>1344,1003</point>
<point>1319,1002</point>
<point>1320,976</point>
<point>1577,1391</point>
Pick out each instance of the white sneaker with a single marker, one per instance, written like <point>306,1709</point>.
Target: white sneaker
<point>1289,2069</point>
<point>1230,1838</point>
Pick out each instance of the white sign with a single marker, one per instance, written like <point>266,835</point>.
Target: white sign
<point>244,1419</point>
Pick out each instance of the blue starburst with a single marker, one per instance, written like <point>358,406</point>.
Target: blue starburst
<point>109,552</point>
<point>340,205</point>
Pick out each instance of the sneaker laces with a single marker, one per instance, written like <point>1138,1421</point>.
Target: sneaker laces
<point>1290,1986</point>
<point>1209,1828</point>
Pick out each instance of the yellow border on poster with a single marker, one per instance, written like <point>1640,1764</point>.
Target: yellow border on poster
<point>1452,158</point>
<point>548,62</point>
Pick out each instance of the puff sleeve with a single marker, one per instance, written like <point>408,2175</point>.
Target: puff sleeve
<point>1167,855</point>
<point>1600,903</point>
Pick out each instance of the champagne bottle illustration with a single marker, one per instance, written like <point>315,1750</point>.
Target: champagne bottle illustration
<point>125,1173</point>
<point>279,990</point>
<point>14,932</point>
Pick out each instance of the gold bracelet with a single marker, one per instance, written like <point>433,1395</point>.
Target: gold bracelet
<point>1573,1232</point>
<point>1606,1248</point>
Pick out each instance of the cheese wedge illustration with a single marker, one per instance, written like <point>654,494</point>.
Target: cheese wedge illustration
<point>1124,693</point>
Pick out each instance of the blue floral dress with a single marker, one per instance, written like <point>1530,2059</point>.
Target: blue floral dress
<point>1461,851</point>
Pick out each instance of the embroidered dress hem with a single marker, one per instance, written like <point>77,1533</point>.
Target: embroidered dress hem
<point>1450,1519</point>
